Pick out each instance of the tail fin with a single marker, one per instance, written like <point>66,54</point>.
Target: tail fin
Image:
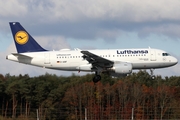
<point>23,40</point>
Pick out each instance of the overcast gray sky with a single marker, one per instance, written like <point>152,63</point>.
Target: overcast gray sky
<point>91,24</point>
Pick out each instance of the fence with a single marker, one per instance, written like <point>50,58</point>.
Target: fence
<point>92,114</point>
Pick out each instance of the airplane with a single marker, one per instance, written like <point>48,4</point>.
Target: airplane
<point>111,61</point>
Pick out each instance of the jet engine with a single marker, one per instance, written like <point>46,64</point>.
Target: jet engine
<point>122,68</point>
<point>85,67</point>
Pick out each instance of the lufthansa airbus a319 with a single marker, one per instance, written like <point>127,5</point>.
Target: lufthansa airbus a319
<point>112,61</point>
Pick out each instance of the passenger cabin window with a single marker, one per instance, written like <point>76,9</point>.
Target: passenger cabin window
<point>165,54</point>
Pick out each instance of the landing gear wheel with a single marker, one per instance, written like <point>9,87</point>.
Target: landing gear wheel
<point>96,78</point>
<point>153,77</point>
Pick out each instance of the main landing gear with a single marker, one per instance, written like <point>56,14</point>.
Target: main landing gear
<point>96,78</point>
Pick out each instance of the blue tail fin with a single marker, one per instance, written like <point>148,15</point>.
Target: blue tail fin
<point>23,40</point>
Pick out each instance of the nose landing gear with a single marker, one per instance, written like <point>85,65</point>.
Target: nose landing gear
<point>152,74</point>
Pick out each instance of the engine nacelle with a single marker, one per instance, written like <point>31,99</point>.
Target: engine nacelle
<point>84,67</point>
<point>122,68</point>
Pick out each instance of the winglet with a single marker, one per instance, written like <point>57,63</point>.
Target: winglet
<point>23,40</point>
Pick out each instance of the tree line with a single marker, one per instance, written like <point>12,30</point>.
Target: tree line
<point>66,98</point>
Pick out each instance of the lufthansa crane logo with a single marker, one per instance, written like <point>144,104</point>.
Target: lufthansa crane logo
<point>21,37</point>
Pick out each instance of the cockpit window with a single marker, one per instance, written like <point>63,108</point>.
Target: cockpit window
<point>166,54</point>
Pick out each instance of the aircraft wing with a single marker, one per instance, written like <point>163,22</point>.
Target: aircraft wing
<point>97,61</point>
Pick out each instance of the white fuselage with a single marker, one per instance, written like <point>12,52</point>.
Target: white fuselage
<point>70,60</point>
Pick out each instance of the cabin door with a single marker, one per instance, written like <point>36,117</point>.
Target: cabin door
<point>46,58</point>
<point>153,55</point>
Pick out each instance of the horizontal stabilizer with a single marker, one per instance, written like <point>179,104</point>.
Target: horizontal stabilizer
<point>21,55</point>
